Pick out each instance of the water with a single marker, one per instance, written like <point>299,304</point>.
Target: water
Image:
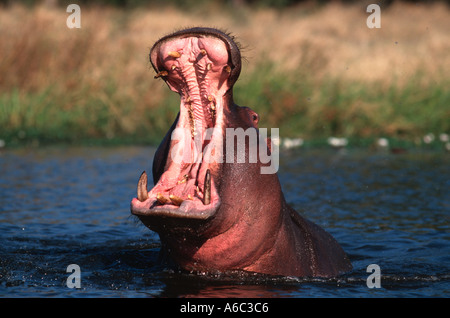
<point>61,206</point>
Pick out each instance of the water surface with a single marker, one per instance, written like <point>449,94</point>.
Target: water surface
<point>61,206</point>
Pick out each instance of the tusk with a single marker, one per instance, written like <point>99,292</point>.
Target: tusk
<point>142,193</point>
<point>207,187</point>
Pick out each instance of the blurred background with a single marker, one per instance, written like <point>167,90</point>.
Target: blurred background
<point>311,68</point>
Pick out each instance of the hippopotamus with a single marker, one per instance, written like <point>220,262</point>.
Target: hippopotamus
<point>214,212</point>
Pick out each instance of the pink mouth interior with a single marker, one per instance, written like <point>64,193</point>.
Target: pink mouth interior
<point>197,68</point>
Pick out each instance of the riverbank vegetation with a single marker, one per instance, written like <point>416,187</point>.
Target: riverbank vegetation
<point>312,70</point>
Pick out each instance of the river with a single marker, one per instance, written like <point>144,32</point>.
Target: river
<point>70,205</point>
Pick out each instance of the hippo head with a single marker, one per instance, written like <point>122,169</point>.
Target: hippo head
<point>201,65</point>
<point>211,204</point>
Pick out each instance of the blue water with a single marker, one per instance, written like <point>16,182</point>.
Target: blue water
<point>61,206</point>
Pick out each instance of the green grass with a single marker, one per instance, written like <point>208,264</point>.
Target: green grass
<point>297,105</point>
<point>95,85</point>
<point>302,108</point>
<point>50,117</point>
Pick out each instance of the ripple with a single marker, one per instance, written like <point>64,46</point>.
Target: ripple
<point>64,206</point>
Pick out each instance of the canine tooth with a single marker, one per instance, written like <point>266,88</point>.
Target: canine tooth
<point>175,200</point>
<point>142,193</point>
<point>174,54</point>
<point>161,199</point>
<point>161,74</point>
<point>207,187</point>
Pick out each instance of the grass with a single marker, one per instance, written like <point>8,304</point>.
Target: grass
<point>347,109</point>
<point>313,71</point>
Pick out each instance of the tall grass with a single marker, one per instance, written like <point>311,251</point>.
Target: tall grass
<point>313,71</point>
<point>346,108</point>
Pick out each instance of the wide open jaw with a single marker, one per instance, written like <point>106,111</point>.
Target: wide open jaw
<point>197,67</point>
<point>155,203</point>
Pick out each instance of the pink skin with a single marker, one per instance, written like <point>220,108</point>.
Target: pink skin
<point>246,224</point>
<point>198,78</point>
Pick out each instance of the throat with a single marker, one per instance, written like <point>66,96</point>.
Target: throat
<point>197,68</point>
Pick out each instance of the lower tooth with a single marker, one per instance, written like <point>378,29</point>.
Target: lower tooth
<point>161,199</point>
<point>175,200</point>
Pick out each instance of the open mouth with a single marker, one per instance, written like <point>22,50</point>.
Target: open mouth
<point>197,67</point>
